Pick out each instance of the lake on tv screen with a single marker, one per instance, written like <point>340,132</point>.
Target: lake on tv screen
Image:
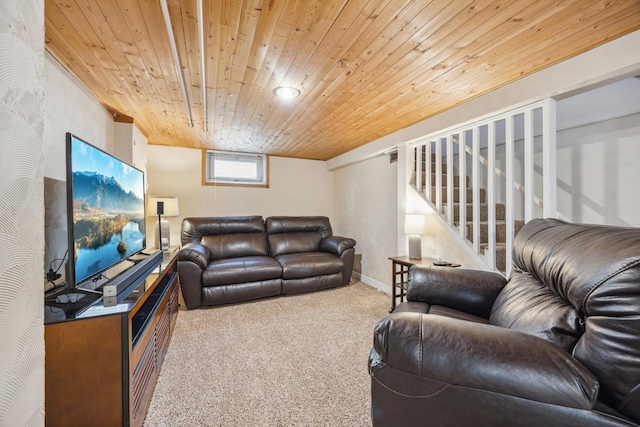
<point>89,261</point>
<point>108,211</point>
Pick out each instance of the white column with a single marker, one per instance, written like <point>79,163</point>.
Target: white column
<point>509,188</point>
<point>450,180</point>
<point>439,174</point>
<point>405,166</point>
<point>462,172</point>
<point>491,193</point>
<point>529,190</point>
<point>549,158</point>
<point>475,183</point>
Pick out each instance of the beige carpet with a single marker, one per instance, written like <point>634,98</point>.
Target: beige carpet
<point>288,361</point>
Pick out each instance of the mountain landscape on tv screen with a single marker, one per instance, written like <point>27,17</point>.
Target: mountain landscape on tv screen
<point>105,214</point>
<point>104,193</point>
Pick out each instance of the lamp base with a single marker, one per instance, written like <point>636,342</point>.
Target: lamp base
<point>166,235</point>
<point>415,246</point>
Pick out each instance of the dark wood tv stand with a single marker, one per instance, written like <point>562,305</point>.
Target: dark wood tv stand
<point>101,366</point>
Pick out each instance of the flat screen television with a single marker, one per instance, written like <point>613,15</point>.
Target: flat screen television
<point>105,211</point>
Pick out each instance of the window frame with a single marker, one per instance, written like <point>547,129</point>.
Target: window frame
<point>261,161</point>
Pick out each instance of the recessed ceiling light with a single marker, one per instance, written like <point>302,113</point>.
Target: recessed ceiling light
<point>286,92</point>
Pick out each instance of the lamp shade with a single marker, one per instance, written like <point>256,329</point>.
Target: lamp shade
<point>414,224</point>
<point>170,205</point>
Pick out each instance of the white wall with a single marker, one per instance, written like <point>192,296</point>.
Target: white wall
<point>130,145</point>
<point>296,187</point>
<point>70,107</point>
<point>437,242</point>
<point>365,197</point>
<point>598,148</point>
<point>598,172</point>
<point>21,221</point>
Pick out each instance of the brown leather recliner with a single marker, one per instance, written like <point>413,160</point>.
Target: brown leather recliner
<point>231,259</point>
<point>558,344</point>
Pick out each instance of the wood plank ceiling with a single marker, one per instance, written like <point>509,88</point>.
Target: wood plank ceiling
<point>366,68</point>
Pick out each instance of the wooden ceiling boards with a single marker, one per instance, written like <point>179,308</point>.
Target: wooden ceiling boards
<point>365,68</point>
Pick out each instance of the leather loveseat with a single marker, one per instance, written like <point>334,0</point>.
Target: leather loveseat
<point>558,344</point>
<point>231,259</point>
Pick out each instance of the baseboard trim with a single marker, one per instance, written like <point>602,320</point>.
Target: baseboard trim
<point>372,282</point>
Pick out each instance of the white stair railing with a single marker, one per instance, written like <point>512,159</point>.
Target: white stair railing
<point>508,140</point>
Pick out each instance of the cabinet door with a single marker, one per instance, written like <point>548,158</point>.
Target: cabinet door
<point>84,372</point>
<point>143,380</point>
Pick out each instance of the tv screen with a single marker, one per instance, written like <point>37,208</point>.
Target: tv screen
<point>105,205</point>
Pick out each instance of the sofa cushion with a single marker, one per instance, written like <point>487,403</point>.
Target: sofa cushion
<point>288,235</point>
<point>310,284</point>
<point>227,237</point>
<point>216,295</point>
<point>239,270</point>
<point>299,265</point>
<point>305,224</point>
<point>236,245</point>
<point>193,229</point>
<point>526,305</point>
<point>291,243</point>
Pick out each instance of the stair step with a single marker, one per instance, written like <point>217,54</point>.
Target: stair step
<point>444,170</point>
<point>501,231</point>
<point>456,179</point>
<point>433,158</point>
<point>433,166</point>
<point>484,211</point>
<point>501,256</point>
<point>456,194</point>
<point>501,249</point>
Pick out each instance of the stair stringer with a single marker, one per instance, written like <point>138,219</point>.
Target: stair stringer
<point>454,232</point>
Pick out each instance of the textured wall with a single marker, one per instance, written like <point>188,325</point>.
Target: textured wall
<point>365,200</point>
<point>21,213</point>
<point>70,107</point>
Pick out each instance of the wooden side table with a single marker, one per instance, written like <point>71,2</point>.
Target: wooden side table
<point>400,274</point>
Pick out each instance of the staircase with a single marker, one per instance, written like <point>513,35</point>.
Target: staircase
<point>522,141</point>
<point>500,226</point>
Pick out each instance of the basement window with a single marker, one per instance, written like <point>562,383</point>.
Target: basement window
<point>229,168</point>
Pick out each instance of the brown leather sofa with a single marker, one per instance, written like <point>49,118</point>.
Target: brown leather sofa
<point>558,344</point>
<point>231,259</point>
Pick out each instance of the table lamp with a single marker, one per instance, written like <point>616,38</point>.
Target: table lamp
<point>414,227</point>
<point>167,207</point>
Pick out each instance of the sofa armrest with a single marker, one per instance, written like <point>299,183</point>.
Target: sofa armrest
<point>471,291</point>
<point>193,259</point>
<point>336,244</point>
<point>196,253</point>
<point>484,357</point>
